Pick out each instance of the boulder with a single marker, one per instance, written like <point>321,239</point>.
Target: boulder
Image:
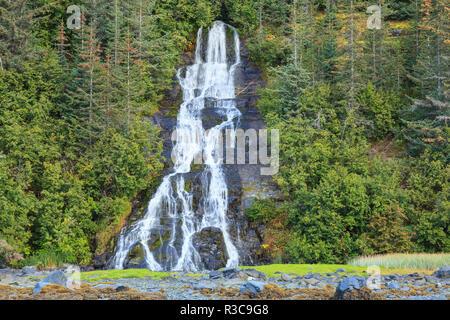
<point>431,278</point>
<point>253,287</point>
<point>56,277</point>
<point>117,287</point>
<point>153,290</point>
<point>442,273</point>
<point>392,285</point>
<point>255,274</point>
<point>354,288</point>
<point>204,285</point>
<point>285,277</point>
<point>393,277</point>
<point>28,270</point>
<point>215,274</point>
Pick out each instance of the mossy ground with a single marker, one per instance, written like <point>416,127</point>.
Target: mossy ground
<point>269,270</point>
<point>302,269</point>
<point>93,276</point>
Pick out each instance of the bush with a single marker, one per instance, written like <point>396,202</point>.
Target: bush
<point>380,109</point>
<point>262,210</point>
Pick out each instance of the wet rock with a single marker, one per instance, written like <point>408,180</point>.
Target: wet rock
<point>87,268</point>
<point>253,287</point>
<point>341,270</point>
<point>230,272</point>
<point>117,287</point>
<point>29,270</point>
<point>100,261</point>
<point>393,285</point>
<point>311,281</point>
<point>234,282</point>
<point>210,245</point>
<point>431,297</point>
<point>431,278</point>
<point>393,277</point>
<point>285,277</point>
<point>153,290</point>
<point>255,274</point>
<point>205,285</point>
<point>215,274</point>
<point>136,257</point>
<point>354,288</point>
<point>442,273</point>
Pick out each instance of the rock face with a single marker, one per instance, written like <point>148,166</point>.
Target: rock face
<point>210,244</point>
<point>442,273</point>
<point>244,181</point>
<point>100,260</point>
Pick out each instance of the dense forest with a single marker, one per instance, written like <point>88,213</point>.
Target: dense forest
<point>364,150</point>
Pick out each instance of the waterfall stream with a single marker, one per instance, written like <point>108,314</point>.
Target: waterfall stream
<point>165,233</point>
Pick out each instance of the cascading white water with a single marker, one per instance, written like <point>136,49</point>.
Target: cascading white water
<point>210,78</point>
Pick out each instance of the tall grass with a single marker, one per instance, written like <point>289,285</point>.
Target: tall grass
<point>44,259</point>
<point>423,261</point>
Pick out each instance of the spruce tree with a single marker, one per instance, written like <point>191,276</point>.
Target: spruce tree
<point>86,98</point>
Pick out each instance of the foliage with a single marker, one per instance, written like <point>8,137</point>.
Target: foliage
<point>282,94</point>
<point>380,109</point>
<point>76,148</point>
<point>356,87</point>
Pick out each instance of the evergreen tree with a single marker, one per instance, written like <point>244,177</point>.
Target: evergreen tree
<point>86,97</point>
<point>17,44</point>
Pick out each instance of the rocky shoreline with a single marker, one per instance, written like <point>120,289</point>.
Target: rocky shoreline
<point>31,284</point>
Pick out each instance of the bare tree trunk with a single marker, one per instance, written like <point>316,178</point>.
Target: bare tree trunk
<point>352,54</point>
<point>82,30</point>
<point>260,15</point>
<point>128,91</point>
<point>374,53</point>
<point>91,98</point>
<point>1,63</point>
<point>438,48</point>
<point>140,26</point>
<point>380,63</point>
<point>311,25</point>
<point>116,34</point>
<point>417,28</point>
<point>295,33</point>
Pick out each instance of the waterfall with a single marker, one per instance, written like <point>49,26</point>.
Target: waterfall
<point>166,230</point>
